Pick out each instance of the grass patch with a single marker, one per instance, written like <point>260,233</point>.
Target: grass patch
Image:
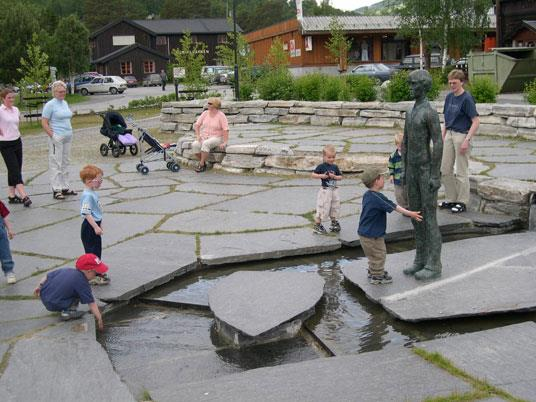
<point>310,216</point>
<point>5,359</point>
<point>198,245</point>
<point>482,389</point>
<point>146,396</point>
<point>89,120</point>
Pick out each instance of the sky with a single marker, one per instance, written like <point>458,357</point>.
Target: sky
<point>348,5</point>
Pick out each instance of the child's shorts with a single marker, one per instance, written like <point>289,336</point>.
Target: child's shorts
<point>328,203</point>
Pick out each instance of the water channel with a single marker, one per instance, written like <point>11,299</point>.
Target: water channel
<point>167,337</point>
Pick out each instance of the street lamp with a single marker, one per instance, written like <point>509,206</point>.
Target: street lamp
<point>237,87</point>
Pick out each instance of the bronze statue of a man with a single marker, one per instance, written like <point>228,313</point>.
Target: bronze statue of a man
<point>422,163</point>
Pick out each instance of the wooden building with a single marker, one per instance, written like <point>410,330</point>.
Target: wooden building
<point>375,39</point>
<point>140,47</point>
<point>515,22</point>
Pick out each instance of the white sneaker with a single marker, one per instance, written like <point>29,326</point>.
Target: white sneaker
<point>11,278</point>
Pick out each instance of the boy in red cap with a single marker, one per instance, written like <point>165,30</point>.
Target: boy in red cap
<point>63,289</point>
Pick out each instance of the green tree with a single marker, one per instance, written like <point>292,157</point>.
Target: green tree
<point>277,58</point>
<point>445,23</point>
<point>256,14</point>
<point>18,21</point>
<point>98,13</point>
<point>225,55</point>
<point>70,41</point>
<point>190,56</point>
<point>34,68</point>
<point>191,9</point>
<point>338,44</point>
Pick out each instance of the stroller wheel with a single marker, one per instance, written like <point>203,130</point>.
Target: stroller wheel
<point>175,167</point>
<point>168,165</point>
<point>123,149</point>
<point>104,149</point>
<point>144,170</point>
<point>134,149</point>
<point>116,151</point>
<point>139,166</point>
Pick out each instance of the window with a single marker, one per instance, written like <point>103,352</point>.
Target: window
<point>123,40</point>
<point>126,67</point>
<point>222,38</point>
<point>161,40</point>
<point>148,66</point>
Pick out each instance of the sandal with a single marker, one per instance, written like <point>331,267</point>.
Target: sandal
<point>200,168</point>
<point>446,205</point>
<point>457,208</point>
<point>14,200</point>
<point>58,195</point>
<point>26,201</point>
<point>68,192</point>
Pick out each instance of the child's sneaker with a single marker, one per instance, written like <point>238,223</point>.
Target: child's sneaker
<point>67,315</point>
<point>318,228</point>
<point>335,227</point>
<point>100,280</point>
<point>380,279</point>
<point>11,278</point>
<point>385,273</point>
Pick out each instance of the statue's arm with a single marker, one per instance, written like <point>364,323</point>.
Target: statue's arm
<point>434,128</point>
<point>404,150</point>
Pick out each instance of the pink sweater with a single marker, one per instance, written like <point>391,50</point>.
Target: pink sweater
<point>9,123</point>
<point>212,126</point>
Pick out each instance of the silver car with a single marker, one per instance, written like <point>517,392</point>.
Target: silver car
<point>111,84</point>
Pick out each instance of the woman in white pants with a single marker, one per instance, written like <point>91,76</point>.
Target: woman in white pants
<point>56,121</point>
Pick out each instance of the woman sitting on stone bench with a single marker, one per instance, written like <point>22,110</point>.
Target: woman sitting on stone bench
<point>211,132</point>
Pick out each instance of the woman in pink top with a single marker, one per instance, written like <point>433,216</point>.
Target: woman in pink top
<point>11,148</point>
<point>211,132</point>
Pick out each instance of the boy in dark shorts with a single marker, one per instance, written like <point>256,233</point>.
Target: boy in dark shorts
<point>373,223</point>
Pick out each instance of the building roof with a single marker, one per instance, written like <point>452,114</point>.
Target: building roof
<point>194,26</point>
<point>358,23</point>
<point>530,24</point>
<point>126,49</point>
<point>116,22</point>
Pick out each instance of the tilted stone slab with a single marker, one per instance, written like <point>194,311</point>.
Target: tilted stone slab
<point>237,119</point>
<point>516,171</point>
<point>248,149</point>
<point>231,248</point>
<point>302,110</point>
<point>281,103</point>
<point>493,120</point>
<point>504,357</point>
<point>185,118</point>
<point>270,148</point>
<point>276,110</point>
<point>381,122</point>
<point>242,161</point>
<point>484,109</point>
<point>295,119</point>
<point>380,113</point>
<point>348,378</point>
<point>526,122</point>
<point>400,106</point>
<point>480,276</point>
<point>361,105</point>
<point>325,121</point>
<point>319,105</point>
<point>193,110</point>
<point>53,366</point>
<point>254,104</point>
<point>262,118</point>
<point>354,122</point>
<point>252,110</point>
<point>515,191</point>
<point>494,129</point>
<point>513,110</point>
<point>250,306</point>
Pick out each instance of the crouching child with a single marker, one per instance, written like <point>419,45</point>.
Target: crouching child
<point>63,289</point>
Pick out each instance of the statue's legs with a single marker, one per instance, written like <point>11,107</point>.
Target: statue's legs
<point>415,204</point>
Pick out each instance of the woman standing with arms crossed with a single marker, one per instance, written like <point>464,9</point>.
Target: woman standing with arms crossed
<point>11,148</point>
<point>56,121</point>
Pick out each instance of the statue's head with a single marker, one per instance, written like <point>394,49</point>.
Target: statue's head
<point>420,82</point>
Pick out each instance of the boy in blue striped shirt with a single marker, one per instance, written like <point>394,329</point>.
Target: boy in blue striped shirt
<point>396,171</point>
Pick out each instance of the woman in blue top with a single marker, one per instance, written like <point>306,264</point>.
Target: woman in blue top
<point>56,121</point>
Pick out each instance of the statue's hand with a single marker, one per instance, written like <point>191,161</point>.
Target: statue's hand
<point>435,183</point>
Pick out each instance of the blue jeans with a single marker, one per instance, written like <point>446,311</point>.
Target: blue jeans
<point>5,253</point>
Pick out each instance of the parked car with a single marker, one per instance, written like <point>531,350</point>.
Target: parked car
<point>412,62</point>
<point>374,70</point>
<point>217,74</point>
<point>131,81</point>
<point>461,64</point>
<point>111,84</point>
<point>81,79</point>
<point>151,80</point>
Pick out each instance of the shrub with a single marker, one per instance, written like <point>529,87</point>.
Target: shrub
<point>333,89</point>
<point>308,87</point>
<point>398,88</point>
<point>276,84</point>
<point>530,92</point>
<point>246,90</point>
<point>150,101</point>
<point>437,84</point>
<point>361,88</point>
<point>484,90</point>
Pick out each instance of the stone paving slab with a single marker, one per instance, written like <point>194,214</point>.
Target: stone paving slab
<point>256,302</point>
<point>399,227</point>
<point>264,245</point>
<point>212,221</point>
<point>362,377</point>
<point>372,148</point>
<point>63,239</point>
<point>48,367</point>
<point>135,193</point>
<point>504,357</point>
<point>26,266</point>
<point>519,171</point>
<point>24,287</point>
<point>220,189</point>
<point>157,259</point>
<point>11,330</point>
<point>21,309</point>
<point>487,151</point>
<point>480,276</point>
<point>509,158</point>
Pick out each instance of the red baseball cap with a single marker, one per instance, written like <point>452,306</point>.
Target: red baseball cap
<point>90,262</point>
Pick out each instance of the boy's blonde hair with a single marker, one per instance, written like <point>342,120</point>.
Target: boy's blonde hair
<point>456,75</point>
<point>328,149</point>
<point>399,137</point>
<point>89,172</point>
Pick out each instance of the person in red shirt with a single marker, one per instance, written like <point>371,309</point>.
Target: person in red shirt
<point>6,233</point>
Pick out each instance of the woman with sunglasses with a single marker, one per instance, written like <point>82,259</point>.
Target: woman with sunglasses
<point>211,132</point>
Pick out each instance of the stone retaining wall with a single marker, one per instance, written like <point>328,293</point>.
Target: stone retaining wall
<point>496,119</point>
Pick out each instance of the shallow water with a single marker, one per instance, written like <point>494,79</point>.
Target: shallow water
<point>143,338</point>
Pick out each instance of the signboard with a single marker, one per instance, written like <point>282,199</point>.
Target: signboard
<point>308,43</point>
<point>292,47</point>
<point>179,72</point>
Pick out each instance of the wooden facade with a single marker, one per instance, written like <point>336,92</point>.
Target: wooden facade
<point>141,42</point>
<point>511,15</point>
